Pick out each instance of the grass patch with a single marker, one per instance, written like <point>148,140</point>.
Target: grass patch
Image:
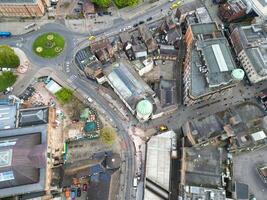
<point>8,58</point>
<point>48,45</point>
<point>7,79</point>
<point>64,95</point>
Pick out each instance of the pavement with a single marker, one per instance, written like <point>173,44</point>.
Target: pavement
<point>75,79</point>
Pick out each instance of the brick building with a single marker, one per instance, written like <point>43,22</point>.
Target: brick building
<point>208,66</point>
<point>23,8</point>
<point>232,11</point>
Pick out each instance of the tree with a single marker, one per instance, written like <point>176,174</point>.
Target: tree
<point>107,135</point>
<point>8,58</point>
<point>101,3</point>
<point>7,79</point>
<point>64,95</point>
<point>125,3</point>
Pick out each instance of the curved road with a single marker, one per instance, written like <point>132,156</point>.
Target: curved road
<point>86,88</point>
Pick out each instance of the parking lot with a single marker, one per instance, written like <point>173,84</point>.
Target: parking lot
<point>245,171</point>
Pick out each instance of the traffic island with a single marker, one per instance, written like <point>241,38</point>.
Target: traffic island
<point>49,45</point>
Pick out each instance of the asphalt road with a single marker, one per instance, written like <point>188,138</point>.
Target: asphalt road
<point>74,79</point>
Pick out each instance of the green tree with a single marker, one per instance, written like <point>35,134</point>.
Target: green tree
<point>101,3</point>
<point>125,3</point>
<point>107,135</point>
<point>7,79</point>
<point>64,95</point>
<point>8,58</point>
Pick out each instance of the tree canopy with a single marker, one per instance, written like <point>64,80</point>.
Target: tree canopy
<point>64,95</point>
<point>107,135</point>
<point>125,3</point>
<point>8,58</point>
<point>7,79</point>
<point>101,3</point>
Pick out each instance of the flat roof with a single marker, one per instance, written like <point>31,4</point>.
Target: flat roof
<point>158,150</point>
<point>213,56</point>
<point>21,136</point>
<point>7,116</point>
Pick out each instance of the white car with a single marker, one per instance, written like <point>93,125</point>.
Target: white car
<point>90,100</point>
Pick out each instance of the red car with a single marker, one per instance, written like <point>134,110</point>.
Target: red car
<point>85,187</point>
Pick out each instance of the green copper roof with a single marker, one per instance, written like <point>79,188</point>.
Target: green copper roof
<point>238,74</point>
<point>144,107</point>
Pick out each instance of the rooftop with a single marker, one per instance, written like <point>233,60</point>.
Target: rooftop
<point>259,6</point>
<point>8,116</point>
<point>127,83</point>
<point>211,65</point>
<point>22,160</point>
<point>33,116</point>
<point>203,166</point>
<point>158,172</point>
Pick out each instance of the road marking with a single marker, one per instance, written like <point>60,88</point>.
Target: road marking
<point>71,78</point>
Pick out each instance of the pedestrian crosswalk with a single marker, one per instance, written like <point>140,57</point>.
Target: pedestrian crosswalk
<point>72,78</point>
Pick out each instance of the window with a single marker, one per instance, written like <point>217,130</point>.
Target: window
<point>6,176</point>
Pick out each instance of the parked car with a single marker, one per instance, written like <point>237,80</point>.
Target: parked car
<point>141,22</point>
<point>149,19</point>
<point>73,193</point>
<point>77,10</point>
<point>67,193</point>
<point>135,25</point>
<point>79,192</point>
<point>80,3</point>
<point>85,187</point>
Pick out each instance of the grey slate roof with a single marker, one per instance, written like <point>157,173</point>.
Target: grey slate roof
<point>33,116</point>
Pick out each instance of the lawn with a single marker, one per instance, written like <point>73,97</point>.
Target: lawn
<point>7,79</point>
<point>49,45</point>
<point>64,96</point>
<point>8,58</point>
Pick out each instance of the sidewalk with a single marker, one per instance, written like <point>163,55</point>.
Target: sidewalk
<point>18,27</point>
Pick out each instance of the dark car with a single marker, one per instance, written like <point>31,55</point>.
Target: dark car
<point>77,10</point>
<point>84,187</point>
<point>149,19</point>
<point>135,25</point>
<point>100,14</point>
<point>79,192</point>
<point>80,3</point>
<point>141,22</point>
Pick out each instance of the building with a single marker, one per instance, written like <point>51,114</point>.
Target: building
<point>259,6</point>
<point>147,38</point>
<point>23,160</point>
<point>143,67</point>
<point>8,115</point>
<point>23,8</point>
<point>89,63</point>
<point>201,173</point>
<point>102,50</point>
<point>250,45</point>
<point>209,67</point>
<point>232,11</point>
<point>157,175</point>
<point>129,86</point>
<point>88,8</point>
<point>243,126</point>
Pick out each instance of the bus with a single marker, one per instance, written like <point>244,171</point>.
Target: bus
<point>5,34</point>
<point>30,26</point>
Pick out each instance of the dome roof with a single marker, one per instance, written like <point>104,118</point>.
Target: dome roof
<point>238,74</point>
<point>144,107</point>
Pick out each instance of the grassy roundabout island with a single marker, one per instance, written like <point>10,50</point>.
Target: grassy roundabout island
<point>48,45</point>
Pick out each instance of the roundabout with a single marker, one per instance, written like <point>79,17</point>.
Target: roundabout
<point>48,45</point>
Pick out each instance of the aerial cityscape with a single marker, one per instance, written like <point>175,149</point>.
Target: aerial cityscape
<point>133,99</point>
